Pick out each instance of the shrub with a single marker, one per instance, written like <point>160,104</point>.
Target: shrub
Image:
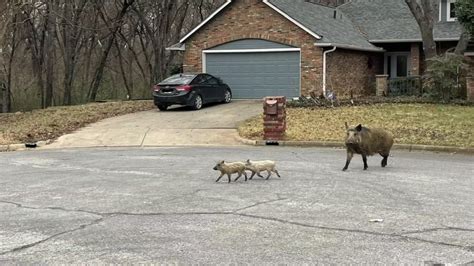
<point>443,76</point>
<point>465,14</point>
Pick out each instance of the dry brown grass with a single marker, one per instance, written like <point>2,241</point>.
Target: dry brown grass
<point>53,122</point>
<point>429,124</point>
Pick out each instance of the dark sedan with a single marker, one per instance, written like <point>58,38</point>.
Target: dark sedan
<point>192,90</point>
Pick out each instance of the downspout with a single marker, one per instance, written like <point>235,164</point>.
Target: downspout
<point>325,68</point>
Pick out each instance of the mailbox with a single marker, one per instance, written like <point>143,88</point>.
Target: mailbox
<point>271,107</point>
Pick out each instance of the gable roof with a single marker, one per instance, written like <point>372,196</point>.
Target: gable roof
<point>354,25</point>
<point>264,1</point>
<point>337,31</point>
<point>392,21</point>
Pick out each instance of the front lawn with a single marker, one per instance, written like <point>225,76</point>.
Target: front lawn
<point>56,121</point>
<point>429,124</point>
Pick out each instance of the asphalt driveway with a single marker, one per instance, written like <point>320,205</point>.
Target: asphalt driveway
<point>161,205</point>
<point>211,126</point>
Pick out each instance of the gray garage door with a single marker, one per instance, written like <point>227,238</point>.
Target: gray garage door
<point>257,74</point>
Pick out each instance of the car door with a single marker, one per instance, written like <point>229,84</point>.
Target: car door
<point>200,85</point>
<point>214,87</point>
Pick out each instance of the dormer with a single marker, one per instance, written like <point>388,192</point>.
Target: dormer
<point>447,11</point>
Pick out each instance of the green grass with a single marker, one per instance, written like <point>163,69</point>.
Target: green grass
<point>54,122</point>
<point>428,124</point>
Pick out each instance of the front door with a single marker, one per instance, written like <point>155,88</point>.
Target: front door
<point>397,65</point>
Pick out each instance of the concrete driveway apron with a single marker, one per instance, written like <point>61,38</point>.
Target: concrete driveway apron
<point>211,126</point>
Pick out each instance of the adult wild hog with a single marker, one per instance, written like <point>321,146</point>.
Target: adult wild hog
<point>367,142</point>
<point>258,166</point>
<point>229,169</point>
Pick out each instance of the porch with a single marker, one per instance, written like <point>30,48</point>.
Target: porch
<point>402,70</point>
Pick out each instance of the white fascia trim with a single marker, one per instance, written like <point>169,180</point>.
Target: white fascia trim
<point>292,20</point>
<point>276,50</point>
<point>412,40</point>
<point>205,21</point>
<point>349,47</point>
<point>181,48</point>
<point>469,53</point>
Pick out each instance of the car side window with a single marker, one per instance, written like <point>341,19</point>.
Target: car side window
<point>198,80</point>
<point>212,81</point>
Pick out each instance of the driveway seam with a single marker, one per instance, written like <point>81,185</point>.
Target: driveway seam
<point>144,136</point>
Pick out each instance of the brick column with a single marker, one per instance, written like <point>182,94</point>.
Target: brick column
<point>381,82</point>
<point>470,78</point>
<point>470,88</point>
<point>274,120</point>
<point>415,59</point>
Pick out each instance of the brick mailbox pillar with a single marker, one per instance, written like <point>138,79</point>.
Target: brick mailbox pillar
<point>274,118</point>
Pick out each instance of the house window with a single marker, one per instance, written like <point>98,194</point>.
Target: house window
<point>451,8</point>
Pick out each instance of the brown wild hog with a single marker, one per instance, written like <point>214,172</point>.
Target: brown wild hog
<point>367,142</point>
<point>229,169</point>
<point>258,166</point>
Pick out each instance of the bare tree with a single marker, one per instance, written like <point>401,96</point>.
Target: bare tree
<point>50,50</point>
<point>425,15</point>
<point>8,47</point>
<point>113,27</point>
<point>69,38</point>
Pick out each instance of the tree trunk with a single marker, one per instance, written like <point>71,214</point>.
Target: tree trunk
<point>461,47</point>
<point>103,60</point>
<point>71,33</point>
<point>7,87</point>
<point>122,71</point>
<point>50,53</point>
<point>425,17</point>
<point>36,46</point>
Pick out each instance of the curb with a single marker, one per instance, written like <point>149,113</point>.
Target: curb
<point>410,147</point>
<point>22,147</point>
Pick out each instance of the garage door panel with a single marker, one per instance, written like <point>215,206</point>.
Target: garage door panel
<point>256,75</point>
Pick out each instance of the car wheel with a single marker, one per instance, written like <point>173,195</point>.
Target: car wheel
<point>162,107</point>
<point>197,104</point>
<point>227,96</point>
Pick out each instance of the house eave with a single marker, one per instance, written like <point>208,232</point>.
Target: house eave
<point>410,40</point>
<point>350,47</point>
<point>175,47</point>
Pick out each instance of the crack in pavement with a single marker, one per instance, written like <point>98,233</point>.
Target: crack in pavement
<point>23,247</point>
<point>259,203</point>
<point>19,205</point>
<point>236,212</point>
<point>400,236</point>
<point>447,228</point>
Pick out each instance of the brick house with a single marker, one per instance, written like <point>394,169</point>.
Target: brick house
<point>295,47</point>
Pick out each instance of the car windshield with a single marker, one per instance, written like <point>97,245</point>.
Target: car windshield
<point>179,79</point>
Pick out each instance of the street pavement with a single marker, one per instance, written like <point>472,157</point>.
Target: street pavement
<point>213,125</point>
<point>162,205</point>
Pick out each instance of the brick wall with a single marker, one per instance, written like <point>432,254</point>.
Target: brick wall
<point>353,72</point>
<point>253,19</point>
